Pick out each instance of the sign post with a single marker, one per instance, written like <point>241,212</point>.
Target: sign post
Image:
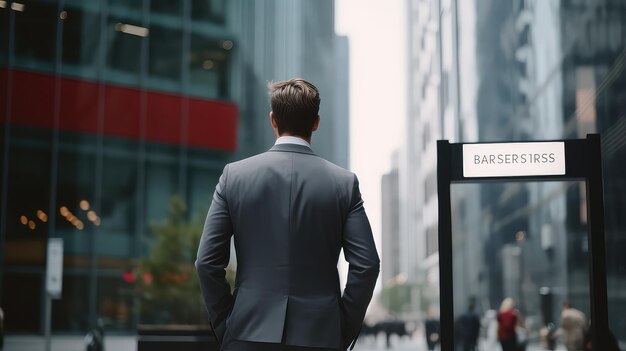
<point>524,161</point>
<point>54,281</point>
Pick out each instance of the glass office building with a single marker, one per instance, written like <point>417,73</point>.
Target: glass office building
<point>108,109</point>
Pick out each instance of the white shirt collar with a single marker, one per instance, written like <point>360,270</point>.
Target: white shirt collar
<point>292,140</point>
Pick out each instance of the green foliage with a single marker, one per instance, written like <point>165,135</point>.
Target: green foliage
<point>166,278</point>
<point>396,298</point>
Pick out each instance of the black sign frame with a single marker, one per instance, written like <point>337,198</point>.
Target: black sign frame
<point>582,162</point>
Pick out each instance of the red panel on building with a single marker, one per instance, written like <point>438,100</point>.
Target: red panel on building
<point>122,111</point>
<point>210,124</point>
<point>79,106</point>
<point>32,99</point>
<point>161,118</point>
<point>213,126</point>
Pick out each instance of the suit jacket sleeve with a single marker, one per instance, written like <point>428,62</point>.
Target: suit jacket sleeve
<point>213,257</point>
<point>360,252</point>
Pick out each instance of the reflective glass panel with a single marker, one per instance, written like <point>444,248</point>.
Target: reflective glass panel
<point>519,254</point>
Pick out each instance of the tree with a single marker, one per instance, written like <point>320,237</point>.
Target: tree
<point>396,298</point>
<point>166,278</point>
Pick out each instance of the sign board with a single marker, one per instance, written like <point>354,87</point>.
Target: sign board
<point>54,267</point>
<point>578,159</point>
<point>513,159</point>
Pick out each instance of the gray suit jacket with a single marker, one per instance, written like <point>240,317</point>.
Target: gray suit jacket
<point>290,213</point>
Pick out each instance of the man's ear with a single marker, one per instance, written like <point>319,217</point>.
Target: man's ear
<point>273,120</point>
<point>316,124</point>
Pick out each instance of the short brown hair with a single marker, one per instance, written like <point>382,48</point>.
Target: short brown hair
<point>296,104</point>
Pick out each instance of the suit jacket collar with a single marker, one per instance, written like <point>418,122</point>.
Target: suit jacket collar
<point>292,148</point>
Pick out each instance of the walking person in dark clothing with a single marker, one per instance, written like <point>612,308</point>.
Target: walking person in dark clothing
<point>432,328</point>
<point>469,328</point>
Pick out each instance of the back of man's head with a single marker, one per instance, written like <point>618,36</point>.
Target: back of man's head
<point>295,105</point>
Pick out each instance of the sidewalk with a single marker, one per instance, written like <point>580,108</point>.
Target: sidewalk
<point>67,343</point>
<point>129,343</point>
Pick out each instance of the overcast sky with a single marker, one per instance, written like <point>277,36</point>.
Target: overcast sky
<point>376,31</point>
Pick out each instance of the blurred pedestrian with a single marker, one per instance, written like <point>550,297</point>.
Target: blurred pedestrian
<point>547,337</point>
<point>490,328</point>
<point>432,328</point>
<point>521,334</point>
<point>469,328</point>
<point>573,327</point>
<point>508,320</point>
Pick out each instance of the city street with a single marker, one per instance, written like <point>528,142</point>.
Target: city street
<point>129,343</point>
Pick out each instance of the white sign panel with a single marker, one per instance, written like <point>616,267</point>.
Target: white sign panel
<point>54,267</point>
<point>513,159</point>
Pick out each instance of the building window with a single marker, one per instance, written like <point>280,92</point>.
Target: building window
<point>4,36</point>
<point>81,37</point>
<point>208,10</point>
<point>170,8</point>
<point>24,289</point>
<point>35,34</point>
<point>166,50</point>
<point>445,86</point>
<point>71,310</point>
<point>119,187</point>
<point>28,192</point>
<point>161,184</point>
<point>75,184</point>
<point>124,50</point>
<point>208,66</point>
<point>115,301</point>
<point>432,242</point>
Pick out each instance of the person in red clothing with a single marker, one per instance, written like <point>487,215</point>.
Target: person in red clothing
<point>508,319</point>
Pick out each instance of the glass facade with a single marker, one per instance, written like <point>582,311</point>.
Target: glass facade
<point>183,45</point>
<point>116,119</point>
<point>108,110</point>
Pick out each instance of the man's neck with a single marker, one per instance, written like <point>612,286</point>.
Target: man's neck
<point>308,140</point>
<point>293,139</point>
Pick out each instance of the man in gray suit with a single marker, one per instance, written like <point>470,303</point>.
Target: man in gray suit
<point>290,213</point>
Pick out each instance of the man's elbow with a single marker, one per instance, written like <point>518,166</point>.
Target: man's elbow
<point>208,266</point>
<point>374,263</point>
<point>370,269</point>
<point>374,269</point>
<point>202,266</point>
<point>198,265</point>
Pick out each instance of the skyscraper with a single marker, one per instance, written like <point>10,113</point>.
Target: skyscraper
<point>114,107</point>
<point>301,44</point>
<point>391,243</point>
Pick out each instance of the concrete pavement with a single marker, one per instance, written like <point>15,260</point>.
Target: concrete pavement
<point>67,343</point>
<point>129,343</point>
